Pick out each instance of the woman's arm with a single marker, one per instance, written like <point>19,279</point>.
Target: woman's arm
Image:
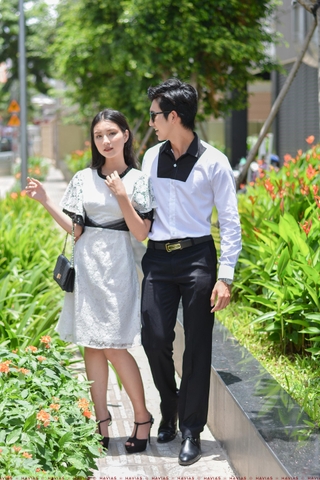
<point>36,191</point>
<point>137,226</point>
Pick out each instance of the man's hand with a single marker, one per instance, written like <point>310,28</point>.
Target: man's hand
<point>220,297</point>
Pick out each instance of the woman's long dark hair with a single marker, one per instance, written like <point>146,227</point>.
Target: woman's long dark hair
<point>118,118</point>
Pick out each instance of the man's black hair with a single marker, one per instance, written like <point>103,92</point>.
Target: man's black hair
<point>178,96</point>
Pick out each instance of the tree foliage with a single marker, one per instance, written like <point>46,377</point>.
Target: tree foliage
<point>110,52</point>
<point>39,34</point>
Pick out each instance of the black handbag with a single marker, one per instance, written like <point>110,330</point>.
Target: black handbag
<point>64,273</point>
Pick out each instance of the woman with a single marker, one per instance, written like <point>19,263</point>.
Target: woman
<point>103,312</point>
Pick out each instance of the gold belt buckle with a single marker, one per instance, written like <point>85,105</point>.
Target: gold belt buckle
<point>170,247</point>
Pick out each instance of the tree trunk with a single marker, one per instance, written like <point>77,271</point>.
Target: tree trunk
<point>307,4</point>
<point>144,141</point>
<point>274,110</point>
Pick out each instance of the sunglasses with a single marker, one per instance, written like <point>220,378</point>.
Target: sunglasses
<point>154,114</point>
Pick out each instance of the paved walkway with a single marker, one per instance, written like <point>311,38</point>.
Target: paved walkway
<point>159,461</point>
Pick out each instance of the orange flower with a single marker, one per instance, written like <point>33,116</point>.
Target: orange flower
<point>15,351</point>
<point>306,226</point>
<point>83,404</point>
<point>41,358</point>
<point>14,195</point>
<point>87,413</point>
<point>23,193</point>
<point>282,205</point>
<point>4,366</point>
<point>55,406</point>
<point>315,189</point>
<point>27,455</point>
<point>269,186</point>
<point>16,449</point>
<point>311,172</point>
<point>310,139</point>
<point>24,370</point>
<point>304,190</point>
<point>299,152</point>
<point>45,339</point>
<point>31,348</point>
<point>317,200</point>
<point>44,417</point>
<point>287,158</point>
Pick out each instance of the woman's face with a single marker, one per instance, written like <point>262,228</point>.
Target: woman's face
<point>109,139</point>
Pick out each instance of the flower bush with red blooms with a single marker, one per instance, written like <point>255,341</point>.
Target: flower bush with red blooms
<point>38,167</point>
<point>279,267</point>
<point>46,421</point>
<point>79,159</point>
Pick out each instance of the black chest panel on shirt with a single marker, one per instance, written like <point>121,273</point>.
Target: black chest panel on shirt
<point>169,167</point>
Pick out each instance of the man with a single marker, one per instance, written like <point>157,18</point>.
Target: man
<point>189,177</point>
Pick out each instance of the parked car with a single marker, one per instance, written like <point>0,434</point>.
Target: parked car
<point>5,144</point>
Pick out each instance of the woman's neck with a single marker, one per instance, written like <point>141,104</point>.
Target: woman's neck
<point>111,166</point>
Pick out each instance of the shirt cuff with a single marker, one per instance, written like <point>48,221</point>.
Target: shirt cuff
<point>226,272</point>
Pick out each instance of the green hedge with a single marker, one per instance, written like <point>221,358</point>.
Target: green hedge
<point>30,300</point>
<point>278,274</point>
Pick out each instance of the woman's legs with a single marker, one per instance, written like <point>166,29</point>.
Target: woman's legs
<point>97,372</point>
<point>129,374</point>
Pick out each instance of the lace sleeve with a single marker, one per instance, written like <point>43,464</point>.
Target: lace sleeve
<point>72,200</point>
<point>143,198</point>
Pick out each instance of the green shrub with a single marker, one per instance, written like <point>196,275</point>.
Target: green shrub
<point>279,270</point>
<point>30,300</point>
<point>46,423</point>
<point>38,168</point>
<point>79,159</point>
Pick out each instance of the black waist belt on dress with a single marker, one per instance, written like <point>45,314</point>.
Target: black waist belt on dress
<point>115,225</point>
<point>171,245</point>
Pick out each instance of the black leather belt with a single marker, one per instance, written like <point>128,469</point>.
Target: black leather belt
<point>171,245</point>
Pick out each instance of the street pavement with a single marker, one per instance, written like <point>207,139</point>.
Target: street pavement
<point>159,461</point>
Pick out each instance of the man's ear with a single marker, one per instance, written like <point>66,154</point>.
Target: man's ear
<point>175,117</point>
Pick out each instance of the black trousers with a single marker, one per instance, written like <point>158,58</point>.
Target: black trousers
<point>190,275</point>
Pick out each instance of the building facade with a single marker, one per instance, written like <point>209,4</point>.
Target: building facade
<point>298,116</point>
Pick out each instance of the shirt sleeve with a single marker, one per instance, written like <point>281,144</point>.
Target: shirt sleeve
<point>225,199</point>
<point>143,199</point>
<point>72,200</point>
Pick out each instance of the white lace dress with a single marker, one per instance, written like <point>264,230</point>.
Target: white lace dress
<point>103,311</point>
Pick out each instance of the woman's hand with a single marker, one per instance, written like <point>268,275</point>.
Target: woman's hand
<point>114,182</point>
<point>35,190</point>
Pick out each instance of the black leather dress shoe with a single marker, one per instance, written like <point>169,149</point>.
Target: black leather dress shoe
<point>190,451</point>
<point>167,430</point>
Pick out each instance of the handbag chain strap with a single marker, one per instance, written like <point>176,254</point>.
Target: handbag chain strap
<point>72,241</point>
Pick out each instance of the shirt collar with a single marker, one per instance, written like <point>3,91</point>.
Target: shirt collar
<point>195,148</point>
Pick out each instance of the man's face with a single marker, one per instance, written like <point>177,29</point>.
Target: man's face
<point>158,121</point>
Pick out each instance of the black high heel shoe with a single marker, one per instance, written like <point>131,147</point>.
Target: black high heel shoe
<point>105,440</point>
<point>139,445</point>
